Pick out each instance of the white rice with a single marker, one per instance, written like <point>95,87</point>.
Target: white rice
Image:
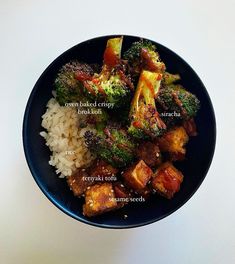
<point>65,139</point>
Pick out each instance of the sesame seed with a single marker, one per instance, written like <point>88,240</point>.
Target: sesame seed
<point>125,216</point>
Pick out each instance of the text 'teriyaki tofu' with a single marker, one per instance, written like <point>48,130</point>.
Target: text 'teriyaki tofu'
<point>102,169</point>
<point>78,182</point>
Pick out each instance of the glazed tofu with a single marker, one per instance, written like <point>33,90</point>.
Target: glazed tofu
<point>120,190</point>
<point>150,153</point>
<point>174,142</point>
<point>78,182</point>
<point>138,175</point>
<point>145,193</point>
<point>190,127</point>
<point>99,198</point>
<point>102,169</point>
<point>167,179</point>
<point>121,193</point>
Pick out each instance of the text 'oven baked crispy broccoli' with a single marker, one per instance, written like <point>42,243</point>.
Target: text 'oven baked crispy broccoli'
<point>144,117</point>
<point>112,84</point>
<point>99,120</point>
<point>112,144</point>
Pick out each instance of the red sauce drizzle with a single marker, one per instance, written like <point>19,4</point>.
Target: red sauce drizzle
<point>87,86</point>
<point>110,58</point>
<point>170,182</point>
<point>148,84</point>
<point>100,88</point>
<point>148,61</point>
<point>125,79</point>
<point>136,124</point>
<point>82,76</point>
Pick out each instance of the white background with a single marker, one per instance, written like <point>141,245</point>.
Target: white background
<point>34,33</point>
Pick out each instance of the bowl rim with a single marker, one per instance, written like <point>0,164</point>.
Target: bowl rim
<point>51,198</point>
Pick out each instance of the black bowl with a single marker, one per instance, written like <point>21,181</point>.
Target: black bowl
<point>200,149</point>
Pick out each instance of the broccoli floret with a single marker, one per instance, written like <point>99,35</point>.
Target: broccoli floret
<point>134,52</point>
<point>143,55</point>
<point>112,144</point>
<point>68,87</point>
<point>169,78</point>
<point>109,89</point>
<point>174,98</point>
<point>112,85</point>
<point>98,118</point>
<point>145,119</point>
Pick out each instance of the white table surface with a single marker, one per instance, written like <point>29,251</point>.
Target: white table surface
<point>34,33</point>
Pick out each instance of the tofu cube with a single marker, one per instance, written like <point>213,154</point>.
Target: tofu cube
<point>145,193</point>
<point>190,127</point>
<point>150,153</point>
<point>167,179</point>
<point>99,199</point>
<point>122,194</point>
<point>78,182</point>
<point>101,169</point>
<point>174,142</point>
<point>120,190</point>
<point>138,175</point>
